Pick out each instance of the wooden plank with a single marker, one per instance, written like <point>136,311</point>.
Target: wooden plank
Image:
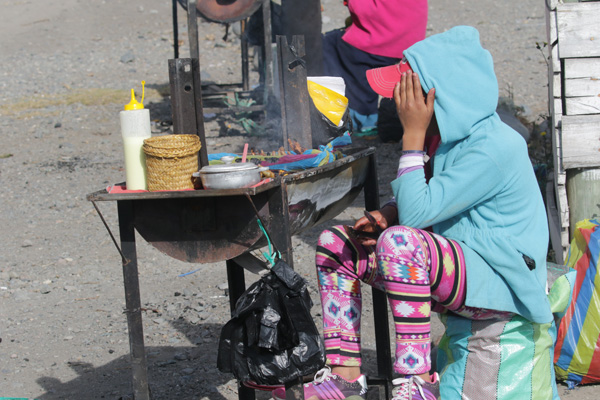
<point>556,84</point>
<point>578,29</point>
<point>555,59</point>
<point>582,78</point>
<point>553,221</point>
<point>582,68</point>
<point>557,110</point>
<point>551,27</point>
<point>551,4</point>
<point>582,105</point>
<point>582,87</point>
<point>564,238</point>
<point>561,178</point>
<point>556,138</point>
<point>552,37</point>
<point>563,205</point>
<point>580,141</point>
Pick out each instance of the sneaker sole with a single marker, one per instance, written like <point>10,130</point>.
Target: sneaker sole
<point>354,397</point>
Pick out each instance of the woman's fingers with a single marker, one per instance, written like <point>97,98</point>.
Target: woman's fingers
<point>410,91</point>
<point>430,100</point>
<point>361,223</point>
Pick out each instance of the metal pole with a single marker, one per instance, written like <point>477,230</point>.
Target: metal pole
<point>133,307</point>
<point>267,49</point>
<point>380,313</point>
<point>175,31</point>
<point>245,62</point>
<point>295,101</point>
<point>193,29</point>
<point>186,101</point>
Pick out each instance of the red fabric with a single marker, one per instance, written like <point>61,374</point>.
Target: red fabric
<point>594,366</point>
<point>118,189</point>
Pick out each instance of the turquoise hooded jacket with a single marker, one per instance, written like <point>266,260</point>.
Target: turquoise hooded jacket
<point>483,192</point>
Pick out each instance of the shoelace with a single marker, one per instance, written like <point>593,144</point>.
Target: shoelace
<point>322,375</point>
<point>403,387</point>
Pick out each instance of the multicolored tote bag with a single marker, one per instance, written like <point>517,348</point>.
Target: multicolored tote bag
<point>496,359</point>
<point>577,351</point>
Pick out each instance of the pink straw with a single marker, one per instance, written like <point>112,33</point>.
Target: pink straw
<point>245,152</point>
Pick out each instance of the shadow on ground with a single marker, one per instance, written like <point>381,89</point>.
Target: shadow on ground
<point>187,372</point>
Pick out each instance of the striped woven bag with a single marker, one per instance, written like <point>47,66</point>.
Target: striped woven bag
<point>577,351</point>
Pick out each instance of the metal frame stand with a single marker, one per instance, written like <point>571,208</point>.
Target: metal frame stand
<point>266,77</point>
<point>280,234</point>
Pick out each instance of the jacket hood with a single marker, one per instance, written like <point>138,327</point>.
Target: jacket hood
<point>462,73</point>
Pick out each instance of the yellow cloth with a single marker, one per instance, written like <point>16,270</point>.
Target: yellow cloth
<point>331,104</point>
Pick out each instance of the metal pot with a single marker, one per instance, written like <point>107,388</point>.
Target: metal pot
<point>229,175</point>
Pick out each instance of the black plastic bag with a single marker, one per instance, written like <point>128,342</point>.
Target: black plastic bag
<point>271,338</point>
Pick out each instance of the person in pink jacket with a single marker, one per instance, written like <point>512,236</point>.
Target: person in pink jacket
<point>379,33</point>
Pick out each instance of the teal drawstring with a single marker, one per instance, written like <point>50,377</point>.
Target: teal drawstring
<point>271,255</point>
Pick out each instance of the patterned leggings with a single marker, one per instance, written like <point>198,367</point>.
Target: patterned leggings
<point>418,270</point>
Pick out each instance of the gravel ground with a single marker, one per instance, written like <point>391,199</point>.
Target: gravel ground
<point>66,68</point>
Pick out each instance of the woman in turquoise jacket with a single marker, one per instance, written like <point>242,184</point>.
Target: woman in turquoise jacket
<point>468,237</point>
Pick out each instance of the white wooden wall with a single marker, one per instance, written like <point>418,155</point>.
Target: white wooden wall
<point>573,30</point>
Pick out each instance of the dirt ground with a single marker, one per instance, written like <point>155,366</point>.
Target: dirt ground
<point>66,70</point>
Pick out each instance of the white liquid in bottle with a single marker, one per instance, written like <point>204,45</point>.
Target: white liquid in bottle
<point>135,127</point>
<point>135,163</point>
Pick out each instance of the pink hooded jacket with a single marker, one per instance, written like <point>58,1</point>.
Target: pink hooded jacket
<point>386,27</point>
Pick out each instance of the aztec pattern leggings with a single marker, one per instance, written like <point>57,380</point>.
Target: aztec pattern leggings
<point>419,271</point>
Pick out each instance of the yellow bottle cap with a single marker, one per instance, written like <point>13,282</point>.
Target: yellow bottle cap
<point>134,104</point>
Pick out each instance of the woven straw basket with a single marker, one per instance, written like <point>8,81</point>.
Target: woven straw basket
<point>170,161</point>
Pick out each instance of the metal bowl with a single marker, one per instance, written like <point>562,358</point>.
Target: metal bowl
<point>229,176</point>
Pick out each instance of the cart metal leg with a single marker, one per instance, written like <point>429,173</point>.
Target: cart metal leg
<point>237,286</point>
<point>280,234</point>
<point>133,306</point>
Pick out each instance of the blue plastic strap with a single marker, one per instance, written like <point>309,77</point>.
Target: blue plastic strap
<point>271,255</point>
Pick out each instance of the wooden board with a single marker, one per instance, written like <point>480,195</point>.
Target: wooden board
<point>578,29</point>
<point>582,105</point>
<point>563,209</point>
<point>583,67</point>
<point>551,28</point>
<point>582,86</point>
<point>580,141</point>
<point>553,222</point>
<point>552,37</point>
<point>551,4</point>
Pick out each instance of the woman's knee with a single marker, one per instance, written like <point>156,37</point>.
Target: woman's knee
<point>397,236</point>
<point>400,242</point>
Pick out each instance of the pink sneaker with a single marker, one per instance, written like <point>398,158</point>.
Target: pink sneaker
<point>414,388</point>
<point>329,386</point>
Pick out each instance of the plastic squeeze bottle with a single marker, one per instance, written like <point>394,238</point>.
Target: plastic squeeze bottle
<point>135,127</point>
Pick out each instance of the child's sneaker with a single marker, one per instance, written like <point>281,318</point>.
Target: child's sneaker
<point>415,388</point>
<point>329,386</point>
